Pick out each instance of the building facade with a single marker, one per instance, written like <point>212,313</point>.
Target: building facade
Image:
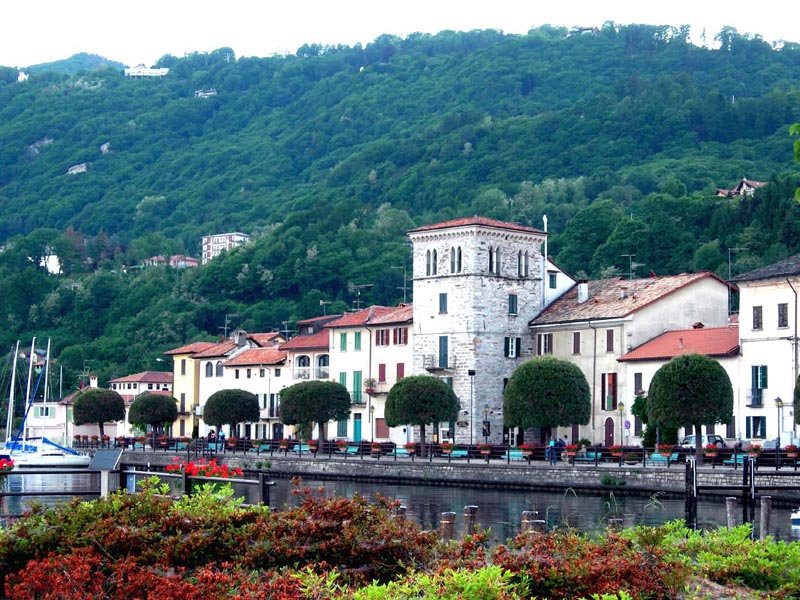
<point>214,245</point>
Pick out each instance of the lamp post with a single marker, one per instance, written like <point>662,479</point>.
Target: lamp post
<point>621,408</point>
<point>471,373</point>
<point>372,421</point>
<point>486,426</point>
<point>779,406</point>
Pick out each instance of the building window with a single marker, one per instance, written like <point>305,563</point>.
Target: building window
<point>758,383</point>
<point>512,304</point>
<point>523,268</point>
<point>357,397</point>
<point>343,379</point>
<point>576,342</point>
<point>638,389</point>
<point>183,366</point>
<point>219,368</point>
<point>236,373</point>
<point>608,389</point>
<point>544,343</point>
<point>357,340</point>
<point>341,428</point>
<point>44,412</point>
<point>249,373</point>
<point>209,369</point>
<point>277,372</point>
<point>382,337</point>
<point>730,428</point>
<point>343,342</point>
<point>755,427</point>
<point>401,371</point>
<point>455,260</point>
<point>400,335</point>
<point>183,402</point>
<point>443,343</point>
<point>494,260</point>
<point>609,340</point>
<point>783,315</point>
<point>637,426</point>
<point>552,278</point>
<point>512,347</point>
<point>434,261</point>
<point>382,373</point>
<point>758,318</point>
<point>273,406</point>
<point>149,386</point>
<point>262,373</point>
<point>442,304</point>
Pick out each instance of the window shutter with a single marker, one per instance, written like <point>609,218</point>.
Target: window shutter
<point>762,379</point>
<point>518,344</point>
<point>506,344</point>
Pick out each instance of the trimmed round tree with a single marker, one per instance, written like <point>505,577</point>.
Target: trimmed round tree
<point>155,410</point>
<point>310,402</point>
<point>231,407</point>
<point>98,405</point>
<point>690,389</point>
<point>546,392</point>
<point>420,400</point>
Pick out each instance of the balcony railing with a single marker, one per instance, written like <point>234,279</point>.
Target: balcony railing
<point>433,362</point>
<point>322,373</point>
<point>302,372</point>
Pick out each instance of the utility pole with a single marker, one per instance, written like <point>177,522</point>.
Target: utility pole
<point>404,287</point>
<point>631,265</point>
<point>228,318</point>
<point>358,288</point>
<point>286,331</point>
<point>730,288</point>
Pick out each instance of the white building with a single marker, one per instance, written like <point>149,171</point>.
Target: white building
<point>719,343</point>
<point>140,71</point>
<point>768,330</point>
<point>131,386</point>
<point>477,284</point>
<point>596,322</point>
<point>214,245</point>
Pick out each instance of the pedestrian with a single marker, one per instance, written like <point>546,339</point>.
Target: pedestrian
<point>552,451</point>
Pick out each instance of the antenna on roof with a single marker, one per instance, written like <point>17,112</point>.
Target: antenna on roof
<point>323,304</point>
<point>632,265</point>
<point>286,331</point>
<point>228,318</point>
<point>357,289</point>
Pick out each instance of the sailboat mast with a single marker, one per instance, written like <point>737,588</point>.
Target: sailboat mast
<point>10,415</point>
<point>28,389</point>
<point>46,373</point>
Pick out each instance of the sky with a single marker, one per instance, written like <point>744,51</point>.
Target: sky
<point>36,31</point>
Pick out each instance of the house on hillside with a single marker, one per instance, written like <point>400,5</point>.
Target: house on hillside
<point>186,386</point>
<point>746,187</point>
<point>719,343</point>
<point>214,245</point>
<point>768,331</point>
<point>596,322</point>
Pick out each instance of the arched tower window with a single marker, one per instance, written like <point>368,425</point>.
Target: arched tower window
<point>219,368</point>
<point>428,262</point>
<point>434,261</point>
<point>458,259</point>
<point>209,369</point>
<point>452,260</point>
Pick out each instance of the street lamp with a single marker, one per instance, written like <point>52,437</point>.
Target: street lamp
<point>471,373</point>
<point>372,420</point>
<point>779,405</point>
<point>486,426</point>
<point>621,408</point>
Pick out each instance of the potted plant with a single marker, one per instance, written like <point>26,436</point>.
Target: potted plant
<point>527,449</point>
<point>584,443</point>
<point>369,386</point>
<point>664,449</point>
<point>631,458</point>
<point>376,448</point>
<point>753,450</point>
<point>616,450</point>
<point>283,444</point>
<point>711,450</point>
<point>410,447</point>
<point>447,447</point>
<point>792,450</point>
<point>6,465</point>
<point>572,449</point>
<point>341,445</point>
<point>485,449</point>
<point>313,446</point>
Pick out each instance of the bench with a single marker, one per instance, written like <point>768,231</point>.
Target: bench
<point>349,450</point>
<point>658,459</point>
<point>513,455</point>
<point>736,460</point>
<point>398,451</point>
<point>264,447</point>
<point>458,453</point>
<point>301,449</point>
<point>589,456</point>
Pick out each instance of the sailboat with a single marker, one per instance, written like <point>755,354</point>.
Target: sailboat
<point>36,452</point>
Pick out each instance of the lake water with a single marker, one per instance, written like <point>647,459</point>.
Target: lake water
<point>499,510</point>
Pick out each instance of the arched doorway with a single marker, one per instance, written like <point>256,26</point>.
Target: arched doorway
<point>609,428</point>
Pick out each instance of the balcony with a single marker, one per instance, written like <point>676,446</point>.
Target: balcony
<point>302,373</point>
<point>431,362</point>
<point>322,373</point>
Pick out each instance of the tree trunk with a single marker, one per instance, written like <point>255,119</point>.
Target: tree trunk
<point>422,451</point>
<point>698,442</point>
<point>321,432</point>
<point>102,431</point>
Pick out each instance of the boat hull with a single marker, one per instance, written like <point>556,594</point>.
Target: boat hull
<point>54,460</point>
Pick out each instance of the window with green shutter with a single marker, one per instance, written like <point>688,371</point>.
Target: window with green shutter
<point>357,341</point>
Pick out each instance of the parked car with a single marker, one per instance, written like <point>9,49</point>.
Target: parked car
<point>689,441</point>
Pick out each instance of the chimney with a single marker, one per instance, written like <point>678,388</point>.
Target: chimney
<point>241,338</point>
<point>93,381</point>
<point>583,291</point>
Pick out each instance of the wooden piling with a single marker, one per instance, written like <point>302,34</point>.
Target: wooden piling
<point>766,515</point>
<point>447,526</point>
<point>730,511</point>
<point>470,514</point>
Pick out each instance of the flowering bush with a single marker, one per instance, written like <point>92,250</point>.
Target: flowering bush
<point>572,447</point>
<point>791,448</point>
<point>203,468</point>
<point>6,465</point>
<point>527,447</point>
<point>710,449</point>
<point>410,445</point>
<point>615,449</point>
<point>753,449</point>
<point>664,448</point>
<point>447,447</point>
<point>341,444</point>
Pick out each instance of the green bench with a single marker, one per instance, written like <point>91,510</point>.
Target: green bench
<point>589,456</point>
<point>658,459</point>
<point>460,453</point>
<point>301,449</point>
<point>513,455</point>
<point>737,460</point>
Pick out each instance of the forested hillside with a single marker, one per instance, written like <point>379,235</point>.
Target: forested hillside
<point>329,155</point>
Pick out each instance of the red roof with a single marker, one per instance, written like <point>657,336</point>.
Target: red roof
<point>257,356</point>
<point>401,314</point>
<point>217,350</point>
<point>615,298</point>
<point>361,317</point>
<point>308,342</point>
<point>714,341</point>
<point>477,221</point>
<point>266,338</point>
<point>190,348</point>
<point>146,377</point>
<point>315,320</point>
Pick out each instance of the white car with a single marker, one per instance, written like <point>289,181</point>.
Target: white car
<point>689,441</point>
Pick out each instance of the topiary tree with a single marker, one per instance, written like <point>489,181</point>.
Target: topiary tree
<point>691,388</point>
<point>231,407</point>
<point>420,400</point>
<point>155,410</point>
<point>666,435</point>
<point>312,402</point>
<point>546,392</point>
<point>98,405</point>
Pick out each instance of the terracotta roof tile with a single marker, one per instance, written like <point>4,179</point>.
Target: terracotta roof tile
<point>266,338</point>
<point>191,348</point>
<point>145,377</point>
<point>257,356</point>
<point>401,314</point>
<point>317,320</point>
<point>364,316</point>
<point>476,221</point>
<point>714,341</point>
<point>615,298</point>
<point>783,268</point>
<point>217,350</point>
<point>307,342</point>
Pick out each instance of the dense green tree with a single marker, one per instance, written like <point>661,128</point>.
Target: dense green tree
<point>231,407</point>
<point>546,392</point>
<point>155,410</point>
<point>310,402</point>
<point>98,405</point>
<point>420,400</point>
<point>652,435</point>
<point>691,389</point>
